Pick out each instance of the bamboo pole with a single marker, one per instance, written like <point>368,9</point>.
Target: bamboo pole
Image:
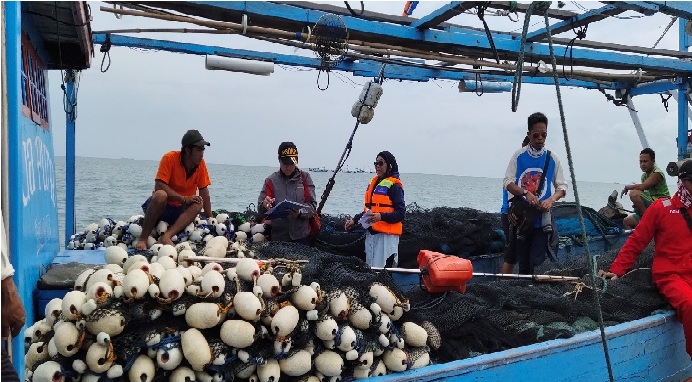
<point>206,23</point>
<point>497,275</point>
<point>377,48</point>
<point>235,260</point>
<point>167,30</point>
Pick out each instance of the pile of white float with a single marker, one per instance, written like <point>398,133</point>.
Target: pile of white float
<point>125,233</point>
<point>228,311</point>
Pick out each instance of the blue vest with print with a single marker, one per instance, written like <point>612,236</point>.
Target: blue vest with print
<point>528,176</point>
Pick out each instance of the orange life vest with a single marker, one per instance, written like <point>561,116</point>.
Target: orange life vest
<point>377,200</point>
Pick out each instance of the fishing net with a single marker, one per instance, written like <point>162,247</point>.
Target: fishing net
<point>502,314</point>
<point>331,37</point>
<point>493,314</point>
<point>327,269</point>
<point>463,232</point>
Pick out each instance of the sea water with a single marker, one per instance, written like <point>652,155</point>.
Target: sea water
<point>116,188</point>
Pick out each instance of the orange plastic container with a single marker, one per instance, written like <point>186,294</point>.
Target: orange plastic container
<point>442,273</point>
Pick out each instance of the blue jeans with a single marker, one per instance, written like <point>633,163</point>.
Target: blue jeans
<point>170,213</point>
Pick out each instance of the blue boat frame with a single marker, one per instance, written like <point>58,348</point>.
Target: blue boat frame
<point>554,360</point>
<point>32,211</point>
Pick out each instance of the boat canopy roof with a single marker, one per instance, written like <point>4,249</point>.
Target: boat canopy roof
<point>66,32</point>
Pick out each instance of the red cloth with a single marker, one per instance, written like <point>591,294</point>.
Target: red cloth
<point>672,266</point>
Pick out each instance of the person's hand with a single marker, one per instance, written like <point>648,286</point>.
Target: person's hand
<point>374,218</point>
<point>192,199</point>
<point>532,199</point>
<point>546,205</point>
<point>13,314</point>
<point>624,191</point>
<point>348,224</point>
<point>607,275</point>
<point>268,202</point>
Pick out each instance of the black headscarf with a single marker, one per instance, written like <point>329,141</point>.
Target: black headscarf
<point>392,166</point>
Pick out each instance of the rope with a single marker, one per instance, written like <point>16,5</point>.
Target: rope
<point>362,9</point>
<point>576,195</point>
<point>481,15</point>
<point>319,72</point>
<point>664,100</point>
<point>347,151</point>
<point>670,24</point>
<point>106,50</point>
<point>580,34</point>
<point>516,85</point>
<point>615,101</point>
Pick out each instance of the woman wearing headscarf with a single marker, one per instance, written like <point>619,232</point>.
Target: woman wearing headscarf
<point>383,213</point>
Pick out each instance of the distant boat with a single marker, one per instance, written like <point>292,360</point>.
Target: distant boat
<point>318,169</point>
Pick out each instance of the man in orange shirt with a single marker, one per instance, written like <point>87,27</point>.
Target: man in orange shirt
<point>175,198</point>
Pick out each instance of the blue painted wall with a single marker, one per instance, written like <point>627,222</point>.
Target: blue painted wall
<point>33,213</point>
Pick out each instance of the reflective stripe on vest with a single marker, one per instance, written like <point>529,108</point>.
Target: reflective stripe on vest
<point>377,200</point>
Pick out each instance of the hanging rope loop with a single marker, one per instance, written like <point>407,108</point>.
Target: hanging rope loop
<point>664,100</point>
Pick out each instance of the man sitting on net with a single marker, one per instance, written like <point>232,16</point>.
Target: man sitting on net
<point>180,176</point>
<point>653,186</point>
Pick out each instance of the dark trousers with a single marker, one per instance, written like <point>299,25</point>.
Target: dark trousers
<point>8,373</point>
<point>531,250</point>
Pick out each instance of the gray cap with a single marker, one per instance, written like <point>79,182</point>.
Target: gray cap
<point>194,138</point>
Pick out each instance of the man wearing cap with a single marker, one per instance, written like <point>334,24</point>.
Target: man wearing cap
<point>668,222</point>
<point>292,184</point>
<point>176,199</point>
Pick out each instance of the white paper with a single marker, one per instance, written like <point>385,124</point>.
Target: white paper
<point>364,219</point>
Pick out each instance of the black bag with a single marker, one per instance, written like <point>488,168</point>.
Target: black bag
<point>521,214</point>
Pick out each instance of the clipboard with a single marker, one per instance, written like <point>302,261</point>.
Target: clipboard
<point>281,210</point>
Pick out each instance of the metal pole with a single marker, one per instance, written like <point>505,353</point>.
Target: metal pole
<point>675,97</point>
<point>70,225</point>
<point>683,113</point>
<point>637,122</point>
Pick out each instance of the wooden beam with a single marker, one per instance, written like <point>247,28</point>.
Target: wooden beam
<point>575,22</point>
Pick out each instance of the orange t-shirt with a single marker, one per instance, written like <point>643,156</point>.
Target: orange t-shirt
<point>172,172</point>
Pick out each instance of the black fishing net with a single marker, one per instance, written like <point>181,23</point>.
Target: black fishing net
<point>500,314</point>
<point>463,232</point>
<point>493,314</point>
<point>327,269</point>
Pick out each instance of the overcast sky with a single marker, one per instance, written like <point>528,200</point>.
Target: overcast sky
<point>146,100</point>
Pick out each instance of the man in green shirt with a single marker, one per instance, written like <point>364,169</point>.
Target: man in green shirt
<point>653,186</point>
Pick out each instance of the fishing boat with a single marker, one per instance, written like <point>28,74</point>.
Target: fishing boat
<point>42,36</point>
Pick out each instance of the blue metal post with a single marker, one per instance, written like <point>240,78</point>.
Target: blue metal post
<point>684,43</point>
<point>13,60</point>
<point>70,157</point>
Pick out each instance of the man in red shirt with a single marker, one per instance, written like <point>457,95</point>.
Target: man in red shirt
<point>669,223</point>
<point>176,199</point>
